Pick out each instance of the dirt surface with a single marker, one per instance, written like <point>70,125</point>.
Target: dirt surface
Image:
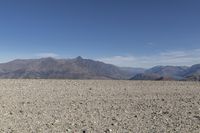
<point>99,106</point>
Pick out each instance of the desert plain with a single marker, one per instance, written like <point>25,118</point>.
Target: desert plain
<point>99,106</point>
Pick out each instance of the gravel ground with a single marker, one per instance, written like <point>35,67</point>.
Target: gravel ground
<point>51,106</point>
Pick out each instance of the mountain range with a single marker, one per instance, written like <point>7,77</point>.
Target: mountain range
<point>80,68</point>
<point>170,73</point>
<point>77,68</point>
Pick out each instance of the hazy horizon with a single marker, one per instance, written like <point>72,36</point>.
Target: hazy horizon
<point>138,33</point>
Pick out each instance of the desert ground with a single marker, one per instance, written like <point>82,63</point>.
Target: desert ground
<point>98,106</point>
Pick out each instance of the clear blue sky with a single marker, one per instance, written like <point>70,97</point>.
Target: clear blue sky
<point>137,33</point>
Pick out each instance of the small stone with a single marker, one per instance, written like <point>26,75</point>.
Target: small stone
<point>21,111</point>
<point>57,121</point>
<point>189,112</point>
<point>107,130</point>
<point>84,131</point>
<point>68,130</point>
<point>165,112</point>
<point>113,118</point>
<point>197,117</point>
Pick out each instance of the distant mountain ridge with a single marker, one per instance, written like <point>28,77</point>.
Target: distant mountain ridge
<point>77,68</point>
<point>170,73</point>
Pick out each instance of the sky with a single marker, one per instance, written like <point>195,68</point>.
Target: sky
<point>130,33</point>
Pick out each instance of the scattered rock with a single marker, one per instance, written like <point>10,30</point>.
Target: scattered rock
<point>165,112</point>
<point>197,117</point>
<point>21,111</point>
<point>107,130</point>
<point>84,131</point>
<point>70,108</point>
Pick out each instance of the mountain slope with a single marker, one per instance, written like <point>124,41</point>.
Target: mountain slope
<point>77,68</point>
<point>193,73</point>
<point>132,70</point>
<point>170,73</point>
<point>167,70</point>
<point>146,76</point>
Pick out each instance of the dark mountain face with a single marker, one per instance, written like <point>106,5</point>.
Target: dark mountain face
<point>193,70</point>
<point>193,73</point>
<point>170,73</point>
<point>133,71</point>
<point>77,68</point>
<point>146,76</point>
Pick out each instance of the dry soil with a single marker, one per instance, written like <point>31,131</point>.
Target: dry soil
<point>97,106</point>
